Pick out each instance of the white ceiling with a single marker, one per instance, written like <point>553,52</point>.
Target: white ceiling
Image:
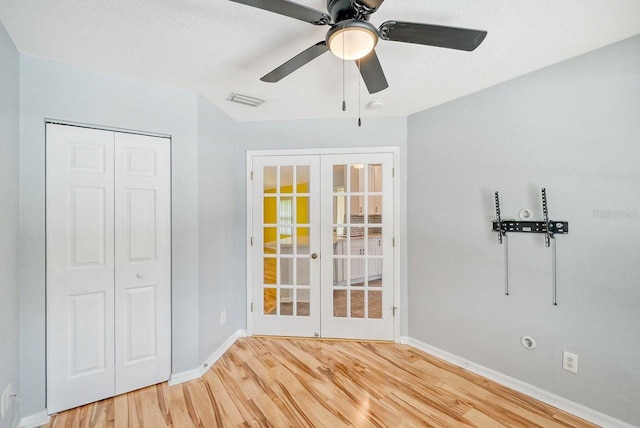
<point>216,47</point>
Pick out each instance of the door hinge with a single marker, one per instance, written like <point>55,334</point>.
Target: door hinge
<point>393,242</point>
<point>252,175</point>
<point>251,306</point>
<point>393,172</point>
<point>395,309</point>
<point>252,241</point>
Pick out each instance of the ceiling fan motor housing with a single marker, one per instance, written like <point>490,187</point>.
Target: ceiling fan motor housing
<point>341,10</point>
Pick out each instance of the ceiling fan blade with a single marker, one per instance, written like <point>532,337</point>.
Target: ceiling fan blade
<point>290,9</point>
<point>296,62</point>
<point>432,35</point>
<point>372,74</point>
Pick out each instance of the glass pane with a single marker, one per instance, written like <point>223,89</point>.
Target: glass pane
<point>286,241</point>
<point>302,210</point>
<point>339,242</point>
<point>375,272</point>
<point>270,174</point>
<point>286,210</point>
<point>356,242</point>
<point>357,304</point>
<point>371,174</point>
<point>357,272</point>
<point>374,209</point>
<point>269,301</point>
<point>375,220</point>
<point>286,179</point>
<point>302,178</point>
<point>357,209</point>
<point>286,271</point>
<point>374,305</point>
<point>302,265</point>
<point>270,270</point>
<point>286,301</point>
<point>270,216</point>
<point>302,240</point>
<point>339,271</point>
<point>377,178</point>
<point>339,178</point>
<point>302,300</point>
<point>340,303</point>
<point>357,178</point>
<point>339,209</point>
<point>270,238</point>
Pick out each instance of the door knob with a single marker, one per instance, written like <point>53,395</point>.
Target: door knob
<point>314,255</point>
<point>140,275</point>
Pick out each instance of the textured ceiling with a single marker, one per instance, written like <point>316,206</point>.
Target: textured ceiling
<point>216,47</point>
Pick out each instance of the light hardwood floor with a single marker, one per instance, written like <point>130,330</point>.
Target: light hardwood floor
<point>321,383</point>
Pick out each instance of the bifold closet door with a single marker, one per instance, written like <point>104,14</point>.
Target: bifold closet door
<point>108,264</point>
<point>80,266</point>
<point>142,261</point>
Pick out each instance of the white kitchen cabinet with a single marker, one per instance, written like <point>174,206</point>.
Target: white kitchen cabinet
<point>357,272</point>
<point>373,188</point>
<point>357,263</point>
<point>375,262</point>
<point>375,185</point>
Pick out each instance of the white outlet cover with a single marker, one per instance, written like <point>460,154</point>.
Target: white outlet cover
<point>570,362</point>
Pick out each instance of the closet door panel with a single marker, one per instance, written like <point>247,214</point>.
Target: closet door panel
<point>80,266</point>
<point>143,260</point>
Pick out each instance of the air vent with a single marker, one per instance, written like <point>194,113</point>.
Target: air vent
<point>244,99</point>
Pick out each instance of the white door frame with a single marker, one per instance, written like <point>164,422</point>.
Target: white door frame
<point>395,150</point>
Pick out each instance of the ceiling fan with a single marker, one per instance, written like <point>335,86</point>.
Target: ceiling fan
<point>352,37</point>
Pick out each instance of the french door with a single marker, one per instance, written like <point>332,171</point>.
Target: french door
<point>322,246</point>
<point>108,264</point>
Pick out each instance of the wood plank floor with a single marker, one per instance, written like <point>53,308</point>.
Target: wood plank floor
<point>319,383</point>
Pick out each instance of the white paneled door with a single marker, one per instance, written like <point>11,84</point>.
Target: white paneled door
<point>108,264</point>
<point>142,261</point>
<point>286,222</point>
<point>322,256</point>
<point>357,246</point>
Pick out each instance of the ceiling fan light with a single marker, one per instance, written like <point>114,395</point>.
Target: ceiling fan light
<point>352,41</point>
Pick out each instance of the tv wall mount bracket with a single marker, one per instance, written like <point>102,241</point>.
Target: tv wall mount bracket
<point>550,228</point>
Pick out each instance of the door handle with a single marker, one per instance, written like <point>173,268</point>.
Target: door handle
<point>314,255</point>
<point>140,275</point>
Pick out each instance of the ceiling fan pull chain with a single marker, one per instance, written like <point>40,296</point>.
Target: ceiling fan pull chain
<point>344,102</point>
<point>359,102</point>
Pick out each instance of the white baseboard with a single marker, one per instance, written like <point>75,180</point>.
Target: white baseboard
<point>177,378</point>
<point>561,403</point>
<point>35,420</point>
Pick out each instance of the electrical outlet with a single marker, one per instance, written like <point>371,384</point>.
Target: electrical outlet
<point>570,362</point>
<point>223,317</point>
<point>6,401</point>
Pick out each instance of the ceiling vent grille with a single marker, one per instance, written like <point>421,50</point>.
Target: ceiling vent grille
<point>244,99</point>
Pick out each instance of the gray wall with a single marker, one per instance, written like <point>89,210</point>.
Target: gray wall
<point>9,148</point>
<point>573,128</point>
<point>218,279</point>
<point>71,93</point>
<point>308,134</point>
